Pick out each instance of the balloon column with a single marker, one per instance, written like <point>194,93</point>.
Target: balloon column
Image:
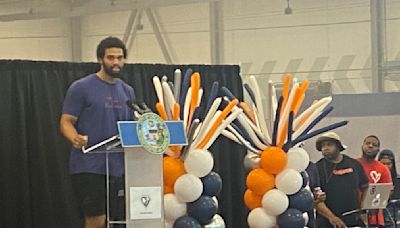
<point>277,192</point>
<point>190,185</point>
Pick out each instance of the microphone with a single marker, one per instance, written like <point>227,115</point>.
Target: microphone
<point>144,107</point>
<point>129,103</point>
<point>140,108</point>
<point>133,106</point>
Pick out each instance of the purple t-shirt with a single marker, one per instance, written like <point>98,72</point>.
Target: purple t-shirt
<point>98,105</point>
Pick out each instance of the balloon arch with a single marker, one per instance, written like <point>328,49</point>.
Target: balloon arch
<point>277,184</point>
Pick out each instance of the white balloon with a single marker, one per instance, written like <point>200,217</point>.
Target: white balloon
<point>258,218</point>
<point>216,222</point>
<point>308,188</point>
<point>297,159</point>
<point>275,202</point>
<point>289,181</point>
<point>173,208</point>
<point>188,188</point>
<point>305,216</point>
<point>215,200</point>
<point>199,162</point>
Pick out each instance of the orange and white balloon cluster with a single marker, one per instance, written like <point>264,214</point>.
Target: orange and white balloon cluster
<point>190,185</point>
<point>277,192</point>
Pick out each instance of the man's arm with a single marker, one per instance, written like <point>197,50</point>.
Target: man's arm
<point>323,210</point>
<point>363,190</point>
<point>68,130</point>
<point>363,180</point>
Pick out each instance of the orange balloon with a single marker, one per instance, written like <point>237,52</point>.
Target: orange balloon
<point>273,160</point>
<point>168,189</point>
<point>252,200</point>
<point>260,181</point>
<point>172,169</point>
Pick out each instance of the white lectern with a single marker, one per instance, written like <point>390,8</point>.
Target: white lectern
<point>144,143</point>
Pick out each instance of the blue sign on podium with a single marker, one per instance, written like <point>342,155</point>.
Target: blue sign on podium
<point>130,138</point>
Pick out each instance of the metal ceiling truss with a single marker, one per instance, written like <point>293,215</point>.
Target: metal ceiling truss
<point>134,23</point>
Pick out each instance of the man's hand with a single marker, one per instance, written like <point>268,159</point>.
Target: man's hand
<point>319,196</point>
<point>79,141</point>
<point>67,128</point>
<point>337,222</point>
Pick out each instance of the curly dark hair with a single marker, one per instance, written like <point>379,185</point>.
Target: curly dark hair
<point>110,42</point>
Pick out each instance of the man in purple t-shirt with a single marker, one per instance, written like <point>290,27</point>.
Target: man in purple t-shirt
<point>91,109</point>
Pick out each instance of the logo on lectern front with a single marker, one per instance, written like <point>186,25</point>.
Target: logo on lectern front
<point>153,133</point>
<point>145,200</point>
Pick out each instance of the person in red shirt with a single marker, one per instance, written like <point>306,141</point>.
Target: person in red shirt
<point>375,171</point>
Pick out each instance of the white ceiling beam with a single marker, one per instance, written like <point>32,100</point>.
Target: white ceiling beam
<point>76,39</point>
<point>131,22</point>
<point>30,10</point>
<point>217,47</point>
<point>133,32</point>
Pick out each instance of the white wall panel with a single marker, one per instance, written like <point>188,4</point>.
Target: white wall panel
<point>185,18</point>
<point>38,40</point>
<point>146,50</point>
<point>320,34</point>
<point>50,49</point>
<point>393,38</point>
<point>35,28</point>
<point>104,24</point>
<point>194,49</point>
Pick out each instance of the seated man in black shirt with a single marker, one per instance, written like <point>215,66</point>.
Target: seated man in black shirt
<point>343,180</point>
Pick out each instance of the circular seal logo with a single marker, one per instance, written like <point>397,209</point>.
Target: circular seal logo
<point>153,133</point>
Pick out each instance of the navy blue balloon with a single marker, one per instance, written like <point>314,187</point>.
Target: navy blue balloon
<point>305,177</point>
<point>302,200</point>
<point>186,222</point>
<point>203,209</point>
<point>291,218</point>
<point>184,89</point>
<point>212,184</point>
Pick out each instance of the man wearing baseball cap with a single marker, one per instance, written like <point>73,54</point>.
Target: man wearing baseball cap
<point>342,178</point>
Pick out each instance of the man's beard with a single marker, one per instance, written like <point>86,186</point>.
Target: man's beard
<point>331,157</point>
<point>112,73</point>
<point>371,156</point>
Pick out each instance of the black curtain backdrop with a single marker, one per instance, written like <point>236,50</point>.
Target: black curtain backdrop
<point>35,189</point>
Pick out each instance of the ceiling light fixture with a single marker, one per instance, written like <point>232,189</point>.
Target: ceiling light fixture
<point>288,9</point>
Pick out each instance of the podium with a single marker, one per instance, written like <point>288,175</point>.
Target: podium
<point>144,142</point>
